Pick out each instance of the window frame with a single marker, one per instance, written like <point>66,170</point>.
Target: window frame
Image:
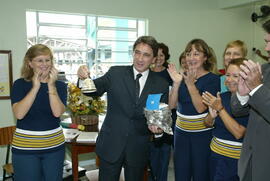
<point>97,50</point>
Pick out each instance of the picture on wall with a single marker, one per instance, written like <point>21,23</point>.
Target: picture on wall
<point>5,74</point>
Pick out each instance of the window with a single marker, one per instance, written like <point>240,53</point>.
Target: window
<point>97,41</point>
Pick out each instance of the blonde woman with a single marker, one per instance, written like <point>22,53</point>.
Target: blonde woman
<point>38,100</point>
<point>234,49</point>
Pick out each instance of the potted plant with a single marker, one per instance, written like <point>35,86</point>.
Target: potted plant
<point>84,110</point>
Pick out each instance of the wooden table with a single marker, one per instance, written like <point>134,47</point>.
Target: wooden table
<point>76,149</point>
<point>80,148</point>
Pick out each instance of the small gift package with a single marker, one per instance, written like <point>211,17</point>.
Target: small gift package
<point>158,113</point>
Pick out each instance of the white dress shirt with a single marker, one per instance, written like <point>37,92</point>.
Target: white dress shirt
<point>244,99</point>
<point>143,79</point>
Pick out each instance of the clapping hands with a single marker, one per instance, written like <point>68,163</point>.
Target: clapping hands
<point>243,89</point>
<point>214,103</point>
<point>52,76</point>
<point>191,76</point>
<point>250,77</point>
<point>175,76</point>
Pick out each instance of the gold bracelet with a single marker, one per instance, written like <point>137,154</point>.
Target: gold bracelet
<point>52,92</point>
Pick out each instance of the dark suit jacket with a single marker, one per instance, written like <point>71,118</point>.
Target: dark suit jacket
<point>125,122</point>
<point>256,144</point>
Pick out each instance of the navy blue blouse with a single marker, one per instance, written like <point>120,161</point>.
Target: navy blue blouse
<point>220,131</point>
<point>40,116</point>
<point>209,82</point>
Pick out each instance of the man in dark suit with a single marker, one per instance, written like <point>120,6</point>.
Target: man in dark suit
<point>253,96</point>
<point>124,136</point>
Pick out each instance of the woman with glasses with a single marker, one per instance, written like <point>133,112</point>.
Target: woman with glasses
<point>191,137</point>
<point>38,101</point>
<point>234,49</point>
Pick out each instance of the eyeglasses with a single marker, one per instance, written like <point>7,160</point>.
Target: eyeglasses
<point>233,54</point>
<point>40,61</point>
<point>194,54</point>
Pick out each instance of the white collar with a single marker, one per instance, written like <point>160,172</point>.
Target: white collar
<point>144,74</point>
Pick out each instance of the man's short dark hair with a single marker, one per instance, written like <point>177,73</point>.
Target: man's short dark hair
<point>266,26</point>
<point>149,40</point>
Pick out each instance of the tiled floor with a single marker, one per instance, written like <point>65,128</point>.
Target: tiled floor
<point>170,172</point>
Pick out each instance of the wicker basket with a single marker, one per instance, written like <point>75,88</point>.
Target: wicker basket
<point>89,121</point>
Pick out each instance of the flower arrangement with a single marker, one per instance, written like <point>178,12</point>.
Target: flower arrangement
<point>79,104</point>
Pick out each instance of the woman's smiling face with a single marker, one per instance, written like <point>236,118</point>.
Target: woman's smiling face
<point>232,77</point>
<point>232,53</point>
<point>41,63</point>
<point>195,59</point>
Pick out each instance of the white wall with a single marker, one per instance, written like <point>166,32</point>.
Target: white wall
<point>258,32</point>
<point>232,3</point>
<point>174,22</point>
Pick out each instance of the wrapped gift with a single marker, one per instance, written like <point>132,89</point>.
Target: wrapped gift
<point>158,114</point>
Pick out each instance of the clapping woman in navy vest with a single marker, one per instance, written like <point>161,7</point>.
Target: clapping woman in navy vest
<point>191,137</point>
<point>228,130</point>
<point>38,101</point>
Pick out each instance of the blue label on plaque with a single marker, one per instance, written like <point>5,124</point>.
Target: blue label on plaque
<point>152,102</point>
